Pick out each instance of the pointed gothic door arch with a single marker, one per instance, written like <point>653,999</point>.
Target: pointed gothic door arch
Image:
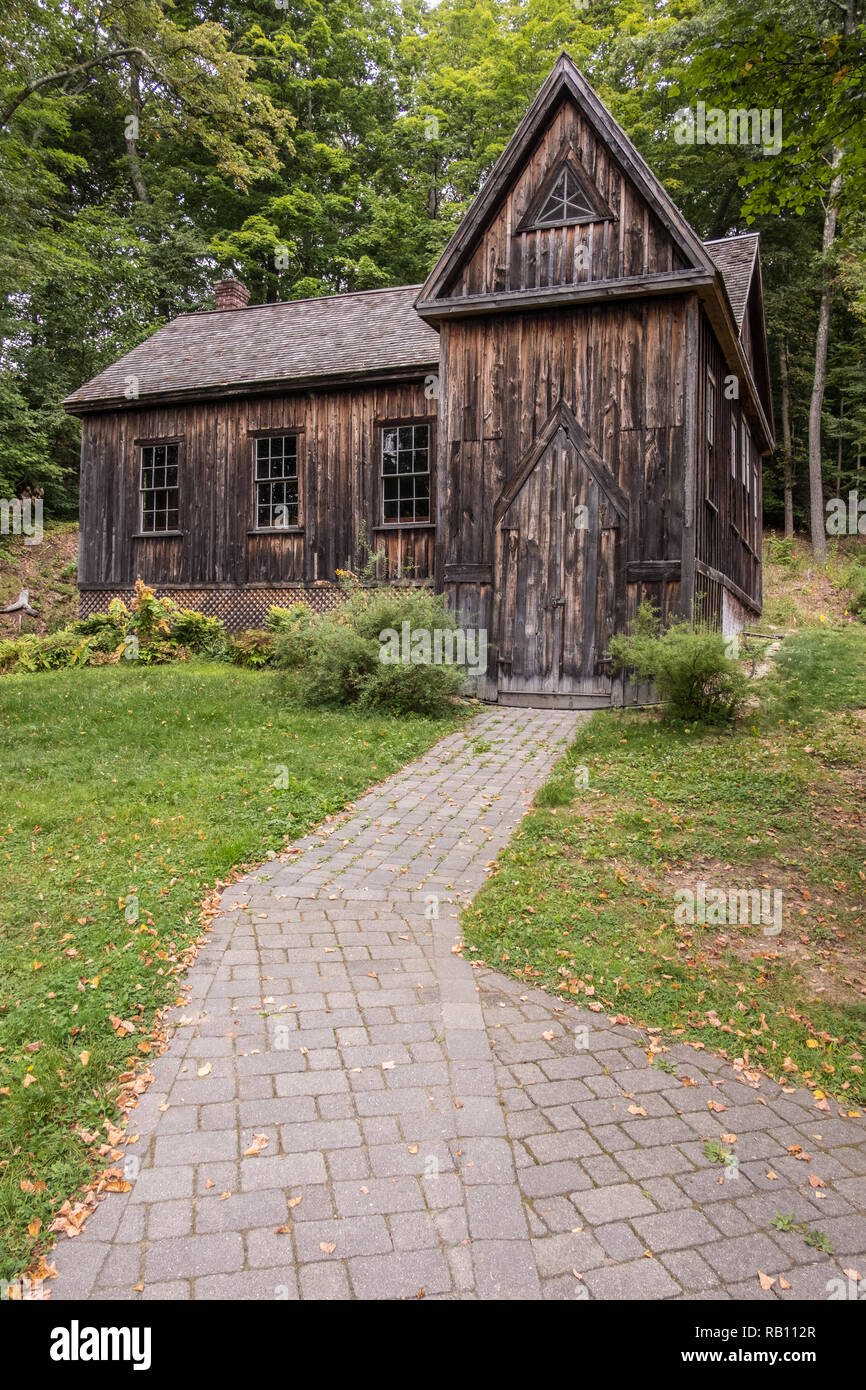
<point>561,541</point>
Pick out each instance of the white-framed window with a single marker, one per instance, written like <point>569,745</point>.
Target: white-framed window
<point>159,487</point>
<point>755,495</point>
<point>276,481</point>
<point>405,474</point>
<point>711,409</point>
<point>745,443</point>
<point>733,449</point>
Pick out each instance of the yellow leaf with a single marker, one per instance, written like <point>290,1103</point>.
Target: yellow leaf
<point>84,1058</point>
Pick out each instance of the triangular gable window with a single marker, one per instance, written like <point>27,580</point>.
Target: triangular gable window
<point>566,195</point>
<point>565,202</point>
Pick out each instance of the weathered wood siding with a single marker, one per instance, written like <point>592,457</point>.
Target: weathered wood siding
<point>622,367</point>
<point>633,242</point>
<point>339,465</point>
<point>728,508</point>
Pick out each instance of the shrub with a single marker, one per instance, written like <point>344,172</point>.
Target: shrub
<point>339,664</point>
<point>342,654</point>
<point>292,630</point>
<point>251,649</point>
<point>780,551</point>
<point>289,619</point>
<point>694,676</point>
<point>197,632</point>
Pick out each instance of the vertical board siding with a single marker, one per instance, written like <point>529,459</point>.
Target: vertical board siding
<point>339,435</point>
<point>509,258</point>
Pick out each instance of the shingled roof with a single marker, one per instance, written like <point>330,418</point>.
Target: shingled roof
<point>301,340</point>
<point>735,256</point>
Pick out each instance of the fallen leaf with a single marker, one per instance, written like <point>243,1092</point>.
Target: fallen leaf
<point>224,1196</point>
<point>715,1105</point>
<point>35,1227</point>
<point>783,1283</point>
<point>549,1035</point>
<point>766,1282</point>
<point>260,1141</point>
<point>294,1202</point>
<point>205,1069</point>
<point>636,1110</point>
<point>283,1231</point>
<point>326,1248</point>
<point>774,1177</point>
<point>815,1181</point>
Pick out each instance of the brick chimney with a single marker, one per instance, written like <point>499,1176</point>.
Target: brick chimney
<point>229,293</point>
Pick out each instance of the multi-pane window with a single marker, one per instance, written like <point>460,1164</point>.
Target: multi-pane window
<point>745,441</point>
<point>566,201</point>
<point>160,497</point>
<point>405,473</point>
<point>277,481</point>
<point>711,410</point>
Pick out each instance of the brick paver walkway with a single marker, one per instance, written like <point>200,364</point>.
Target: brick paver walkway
<point>436,1127</point>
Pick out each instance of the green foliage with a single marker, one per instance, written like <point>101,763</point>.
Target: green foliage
<point>696,678</point>
<point>780,551</point>
<point>342,654</point>
<point>251,649</point>
<point>200,634</point>
<point>818,670</point>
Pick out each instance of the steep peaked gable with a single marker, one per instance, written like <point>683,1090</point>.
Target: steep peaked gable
<point>566,124</point>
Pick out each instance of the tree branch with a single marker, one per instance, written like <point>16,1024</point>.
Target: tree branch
<point>65,73</point>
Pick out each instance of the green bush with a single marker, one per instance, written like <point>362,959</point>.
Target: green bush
<point>342,654</point>
<point>251,649</point>
<point>694,676</point>
<point>289,619</point>
<point>292,631</point>
<point>854,579</point>
<point>197,632</point>
<point>780,551</point>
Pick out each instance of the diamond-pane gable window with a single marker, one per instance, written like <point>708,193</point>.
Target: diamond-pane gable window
<point>277,494</point>
<point>160,495</point>
<point>565,202</point>
<point>405,473</point>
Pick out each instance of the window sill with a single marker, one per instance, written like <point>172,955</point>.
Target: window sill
<point>155,535</point>
<point>276,531</point>
<point>405,526</point>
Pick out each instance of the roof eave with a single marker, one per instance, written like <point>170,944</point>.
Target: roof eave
<point>233,390</point>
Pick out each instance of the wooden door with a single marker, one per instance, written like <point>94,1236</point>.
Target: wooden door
<point>560,576</point>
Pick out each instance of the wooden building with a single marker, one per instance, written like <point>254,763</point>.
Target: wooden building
<point>567,418</point>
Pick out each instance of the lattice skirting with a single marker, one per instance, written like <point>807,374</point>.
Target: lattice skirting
<point>239,608</point>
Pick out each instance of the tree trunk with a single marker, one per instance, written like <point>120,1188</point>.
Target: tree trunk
<point>130,136</point>
<point>787,455</point>
<point>822,338</point>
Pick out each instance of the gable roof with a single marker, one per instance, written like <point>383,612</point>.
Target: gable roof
<point>735,258</point>
<point>565,80</point>
<point>304,340</point>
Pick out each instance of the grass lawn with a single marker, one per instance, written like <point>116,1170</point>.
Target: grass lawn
<point>582,901</point>
<point>144,784</point>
